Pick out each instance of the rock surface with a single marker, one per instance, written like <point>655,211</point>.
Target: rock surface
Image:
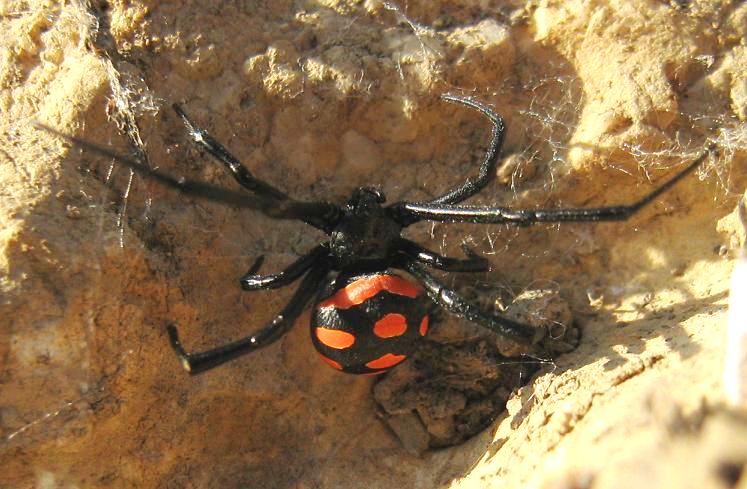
<point>602,99</point>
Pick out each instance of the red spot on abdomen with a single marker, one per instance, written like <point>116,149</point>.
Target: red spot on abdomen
<point>364,288</point>
<point>334,338</point>
<point>390,326</point>
<point>386,361</point>
<point>331,362</point>
<point>424,326</point>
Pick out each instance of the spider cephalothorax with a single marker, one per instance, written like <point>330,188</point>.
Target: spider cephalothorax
<point>368,318</point>
<point>365,231</point>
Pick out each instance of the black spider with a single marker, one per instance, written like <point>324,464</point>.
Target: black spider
<point>367,319</point>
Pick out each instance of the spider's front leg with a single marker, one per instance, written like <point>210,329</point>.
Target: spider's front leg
<point>411,212</point>
<point>240,173</point>
<point>486,172</point>
<point>277,209</point>
<point>324,219</point>
<point>196,363</point>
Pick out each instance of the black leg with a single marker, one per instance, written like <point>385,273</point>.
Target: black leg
<point>232,164</point>
<point>241,173</point>
<point>322,215</point>
<point>196,363</point>
<point>414,251</point>
<point>251,281</point>
<point>487,169</point>
<point>456,304</point>
<point>471,186</point>
<point>492,215</point>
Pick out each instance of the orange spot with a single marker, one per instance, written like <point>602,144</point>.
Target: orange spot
<point>331,362</point>
<point>424,326</point>
<point>386,361</point>
<point>391,325</point>
<point>363,289</point>
<point>334,338</point>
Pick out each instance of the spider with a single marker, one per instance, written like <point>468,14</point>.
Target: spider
<point>367,316</point>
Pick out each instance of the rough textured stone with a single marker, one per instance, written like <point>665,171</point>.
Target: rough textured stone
<point>604,97</point>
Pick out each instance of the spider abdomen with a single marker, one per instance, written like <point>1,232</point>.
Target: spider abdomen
<point>367,324</point>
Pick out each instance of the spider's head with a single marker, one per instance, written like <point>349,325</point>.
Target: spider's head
<point>365,198</point>
<point>365,232</point>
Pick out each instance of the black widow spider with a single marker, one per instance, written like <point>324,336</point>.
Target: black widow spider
<point>367,319</point>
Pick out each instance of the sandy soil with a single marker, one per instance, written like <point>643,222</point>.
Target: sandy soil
<point>602,100</point>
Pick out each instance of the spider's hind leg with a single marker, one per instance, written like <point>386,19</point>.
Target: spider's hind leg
<point>252,281</point>
<point>413,251</point>
<point>451,301</point>
<point>200,362</point>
